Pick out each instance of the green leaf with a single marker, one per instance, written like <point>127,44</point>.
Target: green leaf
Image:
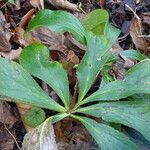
<point>96,21</point>
<point>136,81</point>
<point>135,114</point>
<point>17,84</point>
<point>11,2</point>
<point>58,21</point>
<point>111,33</point>
<point>35,59</point>
<point>106,137</point>
<point>133,54</point>
<point>58,117</point>
<point>92,62</point>
<point>34,117</point>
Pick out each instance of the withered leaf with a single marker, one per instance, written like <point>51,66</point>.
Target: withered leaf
<point>136,32</point>
<point>40,138</point>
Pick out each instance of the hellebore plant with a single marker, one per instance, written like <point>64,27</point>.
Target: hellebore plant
<point>110,102</point>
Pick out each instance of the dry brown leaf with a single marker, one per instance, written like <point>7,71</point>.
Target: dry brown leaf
<point>146,18</point>
<point>6,115</point>
<point>37,3</point>
<point>17,5</point>
<point>116,48</point>
<point>7,120</point>
<point>47,37</point>
<point>40,138</point>
<point>64,4</point>
<point>6,140</point>
<point>12,55</point>
<point>136,32</point>
<point>102,3</point>
<point>26,18</point>
<point>4,34</point>
<point>19,37</point>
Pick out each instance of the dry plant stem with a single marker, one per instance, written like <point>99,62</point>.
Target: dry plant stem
<point>22,108</point>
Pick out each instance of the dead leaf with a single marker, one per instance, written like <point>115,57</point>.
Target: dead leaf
<point>72,57</point>
<point>74,45</point>
<point>12,55</point>
<point>18,37</point>
<point>73,136</point>
<point>26,18</point>
<point>6,140</point>
<point>7,120</point>
<point>6,115</point>
<point>64,4</point>
<point>17,5</point>
<point>40,138</point>
<point>146,18</point>
<point>4,34</point>
<point>102,3</point>
<point>116,48</point>
<point>37,3</point>
<point>136,32</point>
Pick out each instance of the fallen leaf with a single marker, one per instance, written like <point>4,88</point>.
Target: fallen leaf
<point>136,32</point>
<point>102,3</point>
<point>12,55</point>
<point>64,4</point>
<point>47,37</point>
<point>6,140</point>
<point>4,34</point>
<point>7,133</point>
<point>40,138</point>
<point>6,115</point>
<point>37,3</point>
<point>146,18</point>
<point>26,18</point>
<point>17,5</point>
<point>18,37</point>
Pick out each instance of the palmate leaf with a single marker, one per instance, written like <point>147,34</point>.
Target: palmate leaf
<point>106,137</point>
<point>135,114</point>
<point>93,61</point>
<point>136,81</point>
<point>35,59</point>
<point>17,84</point>
<point>58,21</point>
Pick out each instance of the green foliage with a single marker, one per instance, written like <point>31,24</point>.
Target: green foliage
<point>17,83</point>
<point>51,72</point>
<point>11,1</point>
<point>38,116</point>
<point>96,21</point>
<point>58,21</point>
<point>135,81</point>
<point>106,137</point>
<point>115,101</point>
<point>92,62</point>
<point>133,54</point>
